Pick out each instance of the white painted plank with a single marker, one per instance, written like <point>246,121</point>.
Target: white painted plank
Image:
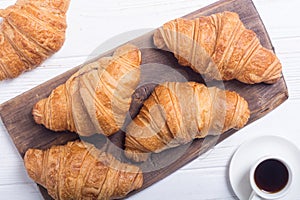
<point>20,192</point>
<point>203,184</point>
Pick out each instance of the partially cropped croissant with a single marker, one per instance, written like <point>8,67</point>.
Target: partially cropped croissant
<point>219,47</point>
<point>78,170</point>
<point>96,99</point>
<point>177,113</point>
<point>31,31</point>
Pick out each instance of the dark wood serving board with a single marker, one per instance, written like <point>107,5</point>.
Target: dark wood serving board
<point>262,98</point>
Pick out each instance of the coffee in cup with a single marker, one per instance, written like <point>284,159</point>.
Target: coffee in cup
<point>270,178</point>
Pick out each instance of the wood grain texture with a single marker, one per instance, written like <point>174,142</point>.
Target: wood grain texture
<point>262,98</point>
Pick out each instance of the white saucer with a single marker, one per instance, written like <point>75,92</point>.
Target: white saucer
<point>249,152</point>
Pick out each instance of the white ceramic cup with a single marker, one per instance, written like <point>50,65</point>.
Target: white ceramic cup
<point>257,192</point>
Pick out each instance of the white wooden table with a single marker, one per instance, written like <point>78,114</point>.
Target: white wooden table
<point>90,23</point>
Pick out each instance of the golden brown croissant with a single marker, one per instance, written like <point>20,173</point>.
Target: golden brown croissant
<point>31,31</point>
<point>78,170</point>
<point>176,113</point>
<point>219,47</point>
<point>96,99</point>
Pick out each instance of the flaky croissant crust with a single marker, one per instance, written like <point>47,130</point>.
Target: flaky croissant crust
<point>219,47</point>
<point>30,32</point>
<point>78,170</point>
<point>96,99</point>
<point>176,113</point>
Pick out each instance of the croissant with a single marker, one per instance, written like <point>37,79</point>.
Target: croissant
<point>176,113</point>
<point>96,99</point>
<point>219,47</point>
<point>30,32</point>
<point>78,170</point>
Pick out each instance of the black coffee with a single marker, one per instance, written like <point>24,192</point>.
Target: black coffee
<point>271,175</point>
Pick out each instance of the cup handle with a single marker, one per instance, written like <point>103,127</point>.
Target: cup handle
<point>254,196</point>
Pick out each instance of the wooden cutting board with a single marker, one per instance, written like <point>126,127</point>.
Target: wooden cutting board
<point>262,99</point>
